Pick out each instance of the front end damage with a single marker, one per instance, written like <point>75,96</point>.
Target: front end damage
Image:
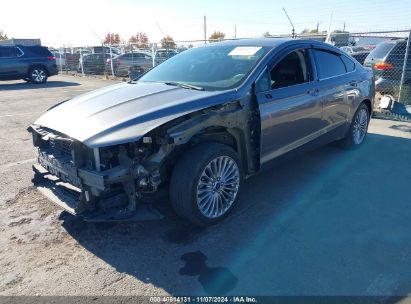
<point>99,183</point>
<point>114,182</point>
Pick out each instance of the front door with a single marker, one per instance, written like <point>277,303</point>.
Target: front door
<point>290,111</point>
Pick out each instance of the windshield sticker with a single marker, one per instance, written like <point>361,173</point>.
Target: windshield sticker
<point>244,51</point>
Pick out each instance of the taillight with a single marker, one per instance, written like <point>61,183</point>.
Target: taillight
<point>108,60</point>
<point>51,57</point>
<point>383,66</point>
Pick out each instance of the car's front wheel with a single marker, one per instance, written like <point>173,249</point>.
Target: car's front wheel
<point>205,183</point>
<point>358,128</point>
<point>38,75</point>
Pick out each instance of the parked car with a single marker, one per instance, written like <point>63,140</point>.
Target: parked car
<point>60,59</point>
<point>106,50</point>
<point>357,52</point>
<point>31,63</point>
<point>94,64</point>
<point>125,63</point>
<point>164,54</point>
<point>353,49</point>
<point>360,56</point>
<point>387,60</point>
<point>72,61</point>
<point>200,123</point>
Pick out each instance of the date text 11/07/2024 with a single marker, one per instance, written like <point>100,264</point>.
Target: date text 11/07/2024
<point>238,299</point>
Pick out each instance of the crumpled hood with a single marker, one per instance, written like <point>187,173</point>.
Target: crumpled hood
<point>125,112</point>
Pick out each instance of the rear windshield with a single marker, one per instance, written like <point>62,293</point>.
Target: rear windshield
<point>39,51</point>
<point>382,50</point>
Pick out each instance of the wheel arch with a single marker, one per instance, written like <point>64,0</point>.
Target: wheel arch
<point>368,103</point>
<point>227,124</point>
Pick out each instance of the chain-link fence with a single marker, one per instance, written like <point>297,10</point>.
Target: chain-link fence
<point>386,52</point>
<point>119,61</point>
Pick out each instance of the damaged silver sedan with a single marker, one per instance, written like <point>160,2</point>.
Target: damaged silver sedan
<point>199,123</point>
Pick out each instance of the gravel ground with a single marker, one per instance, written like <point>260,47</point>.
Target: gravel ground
<point>330,222</point>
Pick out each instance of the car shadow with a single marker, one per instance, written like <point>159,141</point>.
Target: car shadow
<point>330,222</point>
<point>403,128</point>
<point>31,86</point>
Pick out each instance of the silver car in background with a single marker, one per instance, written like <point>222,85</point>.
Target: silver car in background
<point>134,61</point>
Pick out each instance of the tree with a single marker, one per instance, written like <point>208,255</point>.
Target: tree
<point>140,40</point>
<point>216,36</point>
<point>3,36</point>
<point>168,43</point>
<point>266,34</point>
<point>132,39</point>
<point>112,39</point>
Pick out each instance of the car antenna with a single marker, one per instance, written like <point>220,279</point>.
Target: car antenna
<point>289,19</point>
<point>164,36</point>
<point>328,39</point>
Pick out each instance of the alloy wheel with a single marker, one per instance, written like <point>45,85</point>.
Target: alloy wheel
<point>218,186</point>
<point>38,75</point>
<point>360,126</point>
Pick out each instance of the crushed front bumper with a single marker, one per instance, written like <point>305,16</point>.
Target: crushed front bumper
<point>66,175</point>
<point>77,201</point>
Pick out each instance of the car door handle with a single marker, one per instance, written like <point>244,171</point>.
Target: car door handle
<point>353,83</point>
<point>268,96</point>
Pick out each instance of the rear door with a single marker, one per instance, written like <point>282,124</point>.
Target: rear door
<point>287,94</point>
<point>335,85</point>
<point>11,63</point>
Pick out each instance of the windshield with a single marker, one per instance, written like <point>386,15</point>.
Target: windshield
<point>211,68</point>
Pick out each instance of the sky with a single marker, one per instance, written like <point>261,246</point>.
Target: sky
<point>82,22</point>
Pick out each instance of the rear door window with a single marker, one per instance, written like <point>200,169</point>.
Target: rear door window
<point>329,64</point>
<point>9,52</point>
<point>349,64</point>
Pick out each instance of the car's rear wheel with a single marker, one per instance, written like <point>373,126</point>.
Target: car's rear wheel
<point>205,183</point>
<point>38,75</point>
<point>358,128</point>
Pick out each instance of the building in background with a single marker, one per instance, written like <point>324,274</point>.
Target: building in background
<point>15,41</point>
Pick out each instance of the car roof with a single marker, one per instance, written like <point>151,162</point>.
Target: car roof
<point>267,42</point>
<point>24,46</point>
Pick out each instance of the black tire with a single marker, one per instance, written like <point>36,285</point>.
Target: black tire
<point>350,141</point>
<point>38,75</point>
<point>186,177</point>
